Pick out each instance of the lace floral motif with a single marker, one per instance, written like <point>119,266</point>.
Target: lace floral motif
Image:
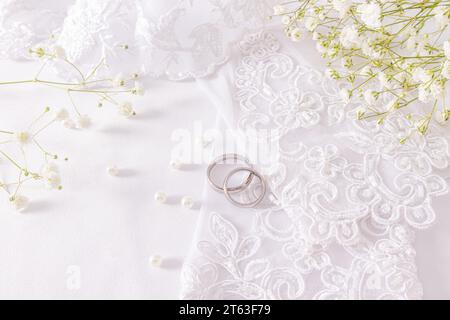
<point>26,23</point>
<point>175,39</point>
<point>345,211</point>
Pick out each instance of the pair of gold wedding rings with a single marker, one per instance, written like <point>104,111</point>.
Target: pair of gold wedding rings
<point>227,189</point>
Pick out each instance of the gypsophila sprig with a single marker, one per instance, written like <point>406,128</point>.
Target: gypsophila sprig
<point>392,55</point>
<point>15,146</point>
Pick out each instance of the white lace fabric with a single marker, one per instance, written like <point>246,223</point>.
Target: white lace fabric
<point>173,39</point>
<point>349,196</point>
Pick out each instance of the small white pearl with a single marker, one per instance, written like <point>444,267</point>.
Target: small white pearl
<point>69,124</point>
<point>187,202</point>
<point>155,261</point>
<point>113,171</point>
<point>160,197</point>
<point>175,164</point>
<point>83,122</point>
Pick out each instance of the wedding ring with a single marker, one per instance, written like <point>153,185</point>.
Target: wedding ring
<point>252,173</point>
<point>223,158</point>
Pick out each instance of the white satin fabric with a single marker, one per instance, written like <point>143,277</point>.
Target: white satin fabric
<point>347,199</point>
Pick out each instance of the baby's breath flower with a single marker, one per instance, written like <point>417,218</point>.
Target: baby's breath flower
<point>423,94</point>
<point>345,95</point>
<point>296,34</point>
<point>441,16</point>
<point>138,89</point>
<point>349,36</point>
<point>420,75</point>
<point>50,176</point>
<point>446,47</point>
<point>126,110</point>
<point>446,69</point>
<point>286,20</point>
<point>119,80</point>
<point>342,7</point>
<point>19,202</point>
<point>311,23</point>
<point>23,137</point>
<point>370,14</point>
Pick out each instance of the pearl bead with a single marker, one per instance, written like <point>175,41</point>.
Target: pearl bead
<point>113,171</point>
<point>187,202</point>
<point>155,261</point>
<point>69,124</point>
<point>160,197</point>
<point>175,164</point>
<point>83,122</point>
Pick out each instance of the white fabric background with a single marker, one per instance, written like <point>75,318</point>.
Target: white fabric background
<point>107,226</point>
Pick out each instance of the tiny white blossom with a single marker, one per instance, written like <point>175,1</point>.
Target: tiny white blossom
<point>286,20</point>
<point>370,14</point>
<point>52,180</point>
<point>345,95</point>
<point>20,203</point>
<point>138,89</point>
<point>446,69</point>
<point>447,49</point>
<point>349,36</point>
<point>441,17</point>
<point>310,23</point>
<point>341,6</point>
<point>424,94</point>
<point>119,80</point>
<point>420,75</point>
<point>435,90</point>
<point>126,109</point>
<point>366,71</point>
<point>296,34</point>
<point>23,137</point>
<point>113,171</point>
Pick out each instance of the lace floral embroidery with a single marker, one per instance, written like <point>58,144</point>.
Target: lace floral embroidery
<point>345,211</point>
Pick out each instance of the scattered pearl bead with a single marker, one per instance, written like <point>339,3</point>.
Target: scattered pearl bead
<point>84,122</point>
<point>61,115</point>
<point>59,52</point>
<point>113,171</point>
<point>69,124</point>
<point>160,197</point>
<point>155,261</point>
<point>175,164</point>
<point>187,202</point>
